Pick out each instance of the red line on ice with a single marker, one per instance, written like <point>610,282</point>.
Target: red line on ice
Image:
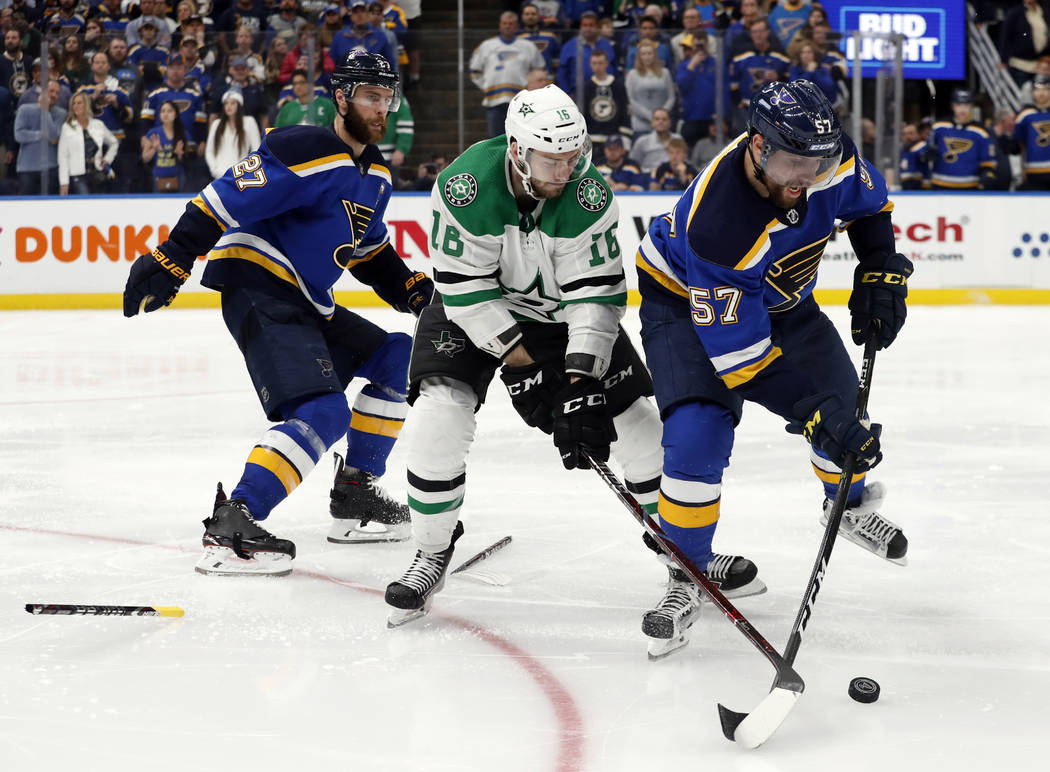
<point>570,722</point>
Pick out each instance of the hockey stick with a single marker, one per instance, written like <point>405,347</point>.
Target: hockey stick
<point>787,686</point>
<point>751,728</point>
<point>463,571</point>
<point>58,609</point>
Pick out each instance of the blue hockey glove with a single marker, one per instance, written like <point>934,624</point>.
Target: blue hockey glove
<point>877,304</point>
<point>154,281</point>
<point>533,389</point>
<point>582,420</point>
<point>831,427</point>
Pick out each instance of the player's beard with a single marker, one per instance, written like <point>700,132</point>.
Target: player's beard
<point>780,196</point>
<point>359,130</point>
<point>547,189</point>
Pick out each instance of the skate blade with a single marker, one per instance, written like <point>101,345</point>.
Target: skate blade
<point>222,561</point>
<point>660,648</point>
<point>400,617</point>
<point>352,532</point>
<point>754,587</point>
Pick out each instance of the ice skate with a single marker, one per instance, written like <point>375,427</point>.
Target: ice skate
<point>735,576</point>
<point>667,625</point>
<point>362,511</point>
<point>234,544</point>
<point>864,526</point>
<point>411,595</point>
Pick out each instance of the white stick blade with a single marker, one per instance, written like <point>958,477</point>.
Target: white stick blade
<point>764,720</point>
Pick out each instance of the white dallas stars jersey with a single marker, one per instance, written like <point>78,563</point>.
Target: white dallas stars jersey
<point>495,266</point>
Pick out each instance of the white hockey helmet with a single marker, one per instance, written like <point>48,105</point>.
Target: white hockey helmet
<point>547,120</point>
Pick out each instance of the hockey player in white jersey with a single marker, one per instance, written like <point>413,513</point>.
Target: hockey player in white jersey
<point>530,282</point>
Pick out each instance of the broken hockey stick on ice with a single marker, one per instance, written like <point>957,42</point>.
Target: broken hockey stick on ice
<point>752,729</point>
<point>61,609</point>
<point>787,686</point>
<point>486,577</point>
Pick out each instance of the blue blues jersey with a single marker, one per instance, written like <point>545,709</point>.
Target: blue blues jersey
<point>115,117</point>
<point>1032,130</point>
<point>628,172</point>
<point>190,104</point>
<point>963,154</point>
<point>747,72</point>
<point>548,45</point>
<point>914,169</point>
<point>736,259</point>
<point>301,209</point>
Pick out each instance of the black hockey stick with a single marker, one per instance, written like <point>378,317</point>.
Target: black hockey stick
<point>787,686</point>
<point>481,555</point>
<point>60,609</point>
<point>735,724</point>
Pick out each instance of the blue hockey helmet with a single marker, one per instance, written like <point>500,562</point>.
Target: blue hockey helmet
<point>801,134</point>
<point>361,68</point>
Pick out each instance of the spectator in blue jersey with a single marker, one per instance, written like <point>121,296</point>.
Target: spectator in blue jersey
<point>755,67</point>
<point>606,106</point>
<point>622,172</point>
<point>806,65</point>
<point>149,56</point>
<point>388,16</point>
<point>696,79</point>
<point>787,17</point>
<point>196,71</point>
<point>190,103</point>
<point>1032,131</point>
<point>360,35</point>
<point>164,147</point>
<point>648,29</point>
<point>110,15</point>
<point>913,169</point>
<point>546,41</point>
<point>738,36</point>
<point>675,173</point>
<point>65,20</point>
<point>576,54</point>
<point>961,153</point>
<point>575,10</point>
<point>280,228</point>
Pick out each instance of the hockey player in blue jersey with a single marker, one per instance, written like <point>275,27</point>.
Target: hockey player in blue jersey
<point>279,229</point>
<point>1032,130</point>
<point>728,316</point>
<point>961,152</point>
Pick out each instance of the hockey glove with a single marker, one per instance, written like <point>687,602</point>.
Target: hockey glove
<point>877,304</point>
<point>420,291</point>
<point>532,390</point>
<point>582,420</point>
<point>154,282</point>
<point>832,428</point>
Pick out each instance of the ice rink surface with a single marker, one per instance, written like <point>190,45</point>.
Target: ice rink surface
<point>114,433</point>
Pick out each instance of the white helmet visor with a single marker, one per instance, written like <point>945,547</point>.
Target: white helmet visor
<point>798,171</point>
<point>558,168</point>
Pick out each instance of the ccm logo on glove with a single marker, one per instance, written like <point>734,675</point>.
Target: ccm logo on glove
<point>578,403</point>
<point>882,277</point>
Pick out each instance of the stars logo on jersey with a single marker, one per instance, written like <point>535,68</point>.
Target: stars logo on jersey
<point>448,345</point>
<point>592,196</point>
<point>956,146</point>
<point>461,189</point>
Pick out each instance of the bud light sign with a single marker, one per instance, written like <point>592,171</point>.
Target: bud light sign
<point>934,37</point>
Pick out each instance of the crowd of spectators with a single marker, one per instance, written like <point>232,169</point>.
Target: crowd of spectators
<point>644,71</point>
<point>133,96</point>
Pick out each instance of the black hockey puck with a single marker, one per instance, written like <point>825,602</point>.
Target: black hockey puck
<point>864,689</point>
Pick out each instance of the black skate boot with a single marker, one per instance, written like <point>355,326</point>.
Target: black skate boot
<point>864,526</point>
<point>668,624</point>
<point>362,511</point>
<point>410,596</point>
<point>234,544</point>
<point>736,577</point>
